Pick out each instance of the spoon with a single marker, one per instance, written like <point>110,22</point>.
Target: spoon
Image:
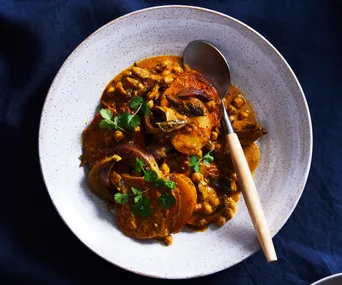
<point>210,62</point>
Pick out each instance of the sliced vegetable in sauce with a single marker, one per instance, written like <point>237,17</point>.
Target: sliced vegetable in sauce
<point>160,113</point>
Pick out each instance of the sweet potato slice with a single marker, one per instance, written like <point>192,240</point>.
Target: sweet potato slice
<point>162,222</point>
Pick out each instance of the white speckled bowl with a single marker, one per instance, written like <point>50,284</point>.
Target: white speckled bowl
<point>257,68</point>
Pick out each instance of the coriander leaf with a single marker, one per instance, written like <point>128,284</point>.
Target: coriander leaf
<point>135,102</point>
<point>106,114</point>
<point>194,162</point>
<point>166,200</point>
<point>107,124</point>
<point>122,120</point>
<point>145,213</point>
<point>136,191</point>
<point>142,208</point>
<point>133,122</point>
<point>137,199</point>
<point>145,201</point>
<point>159,183</point>
<point>139,164</point>
<point>121,198</point>
<point>150,176</point>
<point>145,109</point>
<point>170,184</point>
<point>127,121</point>
<point>207,159</point>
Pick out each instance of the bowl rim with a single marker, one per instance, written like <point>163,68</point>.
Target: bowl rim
<point>310,133</point>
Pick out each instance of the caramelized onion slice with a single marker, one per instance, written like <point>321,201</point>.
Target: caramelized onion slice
<point>129,153</point>
<point>170,126</point>
<point>96,183</point>
<point>192,92</point>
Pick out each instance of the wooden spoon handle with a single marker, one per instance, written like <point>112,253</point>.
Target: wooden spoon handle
<point>251,196</point>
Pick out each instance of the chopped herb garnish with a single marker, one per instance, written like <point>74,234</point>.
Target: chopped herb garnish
<point>195,161</point>
<point>152,176</point>
<point>207,159</point>
<point>142,208</point>
<point>141,204</point>
<point>121,122</point>
<point>135,102</point>
<point>121,198</point>
<point>166,200</point>
<point>139,164</point>
<point>139,104</point>
<point>145,109</point>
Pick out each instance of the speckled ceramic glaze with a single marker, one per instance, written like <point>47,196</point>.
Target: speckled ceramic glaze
<point>257,68</point>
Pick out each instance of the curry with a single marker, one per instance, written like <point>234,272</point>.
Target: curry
<point>156,149</point>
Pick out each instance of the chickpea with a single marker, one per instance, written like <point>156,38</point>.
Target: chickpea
<point>165,168</point>
<point>120,88</point>
<point>119,136</point>
<point>214,136</point>
<point>214,201</point>
<point>232,118</point>
<point>166,62</point>
<point>233,186</point>
<point>150,104</point>
<point>168,78</point>
<point>197,177</point>
<point>211,106</point>
<point>207,209</point>
<point>243,115</point>
<point>220,221</point>
<point>186,67</point>
<point>154,94</point>
<point>201,223</point>
<point>178,69</point>
<point>228,213</point>
<point>233,176</point>
<point>239,101</point>
<point>188,129</point>
<point>231,110</point>
<point>140,86</point>
<point>198,207</point>
<point>111,89</point>
<point>168,240</point>
<point>166,72</point>
<point>127,73</point>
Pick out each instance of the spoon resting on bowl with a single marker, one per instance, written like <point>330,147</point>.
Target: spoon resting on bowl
<point>209,61</point>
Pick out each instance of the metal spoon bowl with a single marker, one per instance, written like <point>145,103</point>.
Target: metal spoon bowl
<point>211,63</point>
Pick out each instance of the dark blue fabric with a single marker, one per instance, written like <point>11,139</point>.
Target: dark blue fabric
<point>36,37</point>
